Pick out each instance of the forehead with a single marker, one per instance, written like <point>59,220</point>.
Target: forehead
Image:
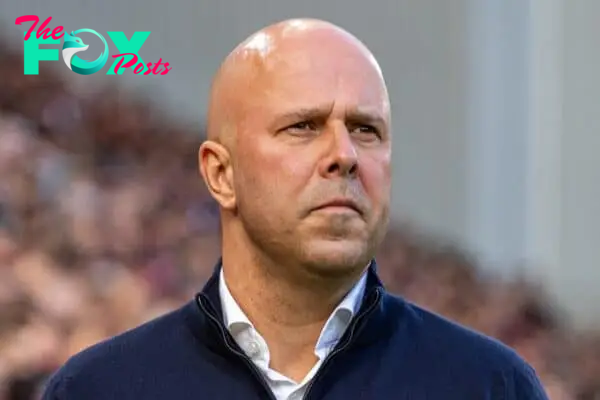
<point>320,72</point>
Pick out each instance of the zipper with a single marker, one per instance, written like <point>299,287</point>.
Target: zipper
<point>342,347</point>
<point>226,338</point>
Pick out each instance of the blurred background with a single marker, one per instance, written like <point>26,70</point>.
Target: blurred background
<point>105,223</point>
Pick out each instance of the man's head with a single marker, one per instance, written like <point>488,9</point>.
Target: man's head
<point>298,150</point>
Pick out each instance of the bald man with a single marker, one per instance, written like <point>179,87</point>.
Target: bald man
<point>298,159</point>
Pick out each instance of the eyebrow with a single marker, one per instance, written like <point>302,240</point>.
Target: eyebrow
<point>353,115</point>
<point>357,115</point>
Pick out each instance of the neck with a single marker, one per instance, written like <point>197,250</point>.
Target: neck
<point>265,291</point>
<point>263,296</point>
<point>289,313</point>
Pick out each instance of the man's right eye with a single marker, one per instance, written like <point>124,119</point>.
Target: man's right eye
<point>305,125</point>
<point>302,128</point>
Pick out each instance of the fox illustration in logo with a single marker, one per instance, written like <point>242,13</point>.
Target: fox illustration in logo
<point>73,44</point>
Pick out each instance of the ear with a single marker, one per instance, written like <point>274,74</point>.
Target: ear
<point>215,167</point>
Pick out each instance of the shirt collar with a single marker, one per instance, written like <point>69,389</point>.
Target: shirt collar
<point>236,320</point>
<point>233,316</point>
<point>341,317</point>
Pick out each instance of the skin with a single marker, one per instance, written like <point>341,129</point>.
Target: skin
<point>299,115</point>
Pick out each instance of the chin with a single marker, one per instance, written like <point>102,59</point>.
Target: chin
<point>336,257</point>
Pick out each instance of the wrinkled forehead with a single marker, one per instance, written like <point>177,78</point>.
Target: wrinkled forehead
<point>321,69</point>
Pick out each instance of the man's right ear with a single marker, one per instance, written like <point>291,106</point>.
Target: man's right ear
<point>214,161</point>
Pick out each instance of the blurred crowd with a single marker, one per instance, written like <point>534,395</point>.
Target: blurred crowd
<point>105,224</point>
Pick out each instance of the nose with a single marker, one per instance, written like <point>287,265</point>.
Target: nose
<point>343,159</point>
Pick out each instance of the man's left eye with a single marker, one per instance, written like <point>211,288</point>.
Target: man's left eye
<point>366,131</point>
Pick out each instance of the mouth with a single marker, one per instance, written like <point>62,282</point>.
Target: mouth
<point>339,205</point>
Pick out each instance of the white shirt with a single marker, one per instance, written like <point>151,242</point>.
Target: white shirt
<point>255,347</point>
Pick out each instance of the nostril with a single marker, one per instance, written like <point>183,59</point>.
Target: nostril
<point>337,168</point>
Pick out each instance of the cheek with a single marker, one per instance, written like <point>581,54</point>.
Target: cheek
<point>276,165</point>
<point>268,176</point>
<point>376,179</point>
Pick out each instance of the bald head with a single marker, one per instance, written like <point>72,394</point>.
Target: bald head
<point>299,116</point>
<point>250,68</point>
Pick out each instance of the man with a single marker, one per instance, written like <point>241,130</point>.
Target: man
<point>298,158</point>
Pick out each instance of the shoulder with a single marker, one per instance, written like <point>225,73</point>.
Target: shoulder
<point>452,345</point>
<point>433,331</point>
<point>121,358</point>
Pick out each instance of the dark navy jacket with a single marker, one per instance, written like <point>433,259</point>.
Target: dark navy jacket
<point>392,350</point>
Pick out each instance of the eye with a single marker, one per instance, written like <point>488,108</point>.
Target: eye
<point>302,127</point>
<point>366,132</point>
<point>366,129</point>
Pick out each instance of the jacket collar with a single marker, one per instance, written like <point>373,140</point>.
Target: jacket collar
<point>213,330</point>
